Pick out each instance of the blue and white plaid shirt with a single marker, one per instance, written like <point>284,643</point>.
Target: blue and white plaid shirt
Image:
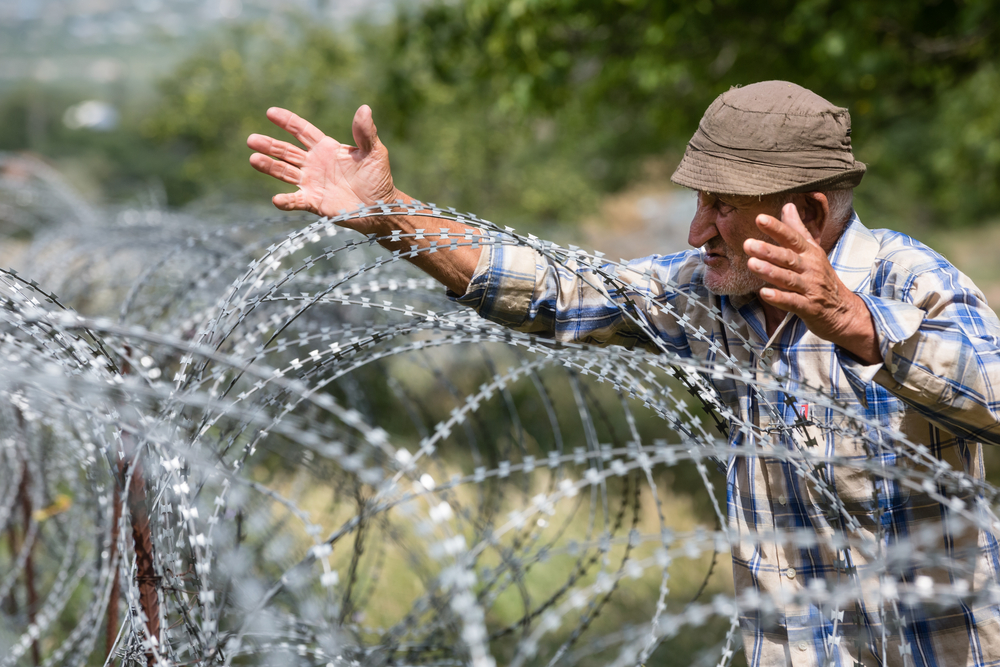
<point>937,385</point>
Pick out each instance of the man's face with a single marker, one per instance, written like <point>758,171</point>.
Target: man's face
<point>720,226</point>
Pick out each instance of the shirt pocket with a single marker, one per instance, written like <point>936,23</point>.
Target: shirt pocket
<point>864,480</point>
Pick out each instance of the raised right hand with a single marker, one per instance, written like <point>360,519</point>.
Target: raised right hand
<point>330,176</point>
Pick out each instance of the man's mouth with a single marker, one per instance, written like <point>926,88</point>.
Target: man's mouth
<point>712,257</point>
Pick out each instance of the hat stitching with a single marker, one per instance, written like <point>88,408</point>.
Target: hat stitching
<point>840,112</point>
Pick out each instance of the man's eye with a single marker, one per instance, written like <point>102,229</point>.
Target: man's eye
<point>724,208</point>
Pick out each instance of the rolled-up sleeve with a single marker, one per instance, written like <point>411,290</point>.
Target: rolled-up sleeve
<point>503,286</point>
<point>519,287</point>
<point>940,348</point>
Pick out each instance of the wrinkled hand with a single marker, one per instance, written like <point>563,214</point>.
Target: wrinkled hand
<point>330,176</point>
<point>805,283</point>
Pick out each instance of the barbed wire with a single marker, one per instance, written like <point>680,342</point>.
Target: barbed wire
<point>249,445</point>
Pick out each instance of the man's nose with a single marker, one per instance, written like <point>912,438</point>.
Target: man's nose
<point>703,227</point>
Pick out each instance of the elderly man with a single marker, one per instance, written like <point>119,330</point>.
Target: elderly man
<point>880,322</point>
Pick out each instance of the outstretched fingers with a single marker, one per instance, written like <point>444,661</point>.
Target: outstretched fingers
<point>789,232</point>
<point>276,168</point>
<point>781,278</point>
<point>307,133</point>
<point>291,201</point>
<point>790,216</point>
<point>773,254</point>
<point>788,301</point>
<point>280,150</point>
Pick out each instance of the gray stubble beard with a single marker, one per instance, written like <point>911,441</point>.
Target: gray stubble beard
<point>737,281</point>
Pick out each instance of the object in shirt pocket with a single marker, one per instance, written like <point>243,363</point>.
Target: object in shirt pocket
<point>799,416</point>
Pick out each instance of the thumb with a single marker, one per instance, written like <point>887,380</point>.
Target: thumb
<point>363,129</point>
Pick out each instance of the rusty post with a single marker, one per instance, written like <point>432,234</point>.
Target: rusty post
<point>142,541</point>
<point>112,629</point>
<point>149,598</point>
<point>24,498</point>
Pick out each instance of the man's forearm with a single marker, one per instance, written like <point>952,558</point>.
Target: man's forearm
<point>452,266</point>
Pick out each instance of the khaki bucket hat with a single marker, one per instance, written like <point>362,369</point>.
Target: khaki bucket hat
<point>767,138</point>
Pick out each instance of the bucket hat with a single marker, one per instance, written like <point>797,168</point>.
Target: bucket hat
<point>770,137</point>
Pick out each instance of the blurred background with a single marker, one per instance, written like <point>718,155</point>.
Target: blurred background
<point>563,118</point>
<point>560,117</point>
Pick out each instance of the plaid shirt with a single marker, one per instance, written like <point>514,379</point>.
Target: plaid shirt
<point>937,385</point>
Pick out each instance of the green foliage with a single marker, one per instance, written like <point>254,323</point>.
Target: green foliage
<point>919,77</point>
<point>122,161</point>
<point>966,143</point>
<point>219,96</point>
<point>528,111</point>
<point>450,148</point>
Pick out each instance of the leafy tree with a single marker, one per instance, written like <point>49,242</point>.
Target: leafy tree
<point>451,148</point>
<point>919,77</point>
<point>529,110</point>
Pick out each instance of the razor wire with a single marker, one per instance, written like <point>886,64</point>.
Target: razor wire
<point>248,445</point>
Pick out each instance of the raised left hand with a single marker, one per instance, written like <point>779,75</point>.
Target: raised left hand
<point>330,176</point>
<point>805,283</point>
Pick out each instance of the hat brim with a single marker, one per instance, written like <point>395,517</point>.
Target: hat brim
<point>705,172</point>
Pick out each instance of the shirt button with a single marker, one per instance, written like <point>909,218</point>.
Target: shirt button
<point>803,646</point>
<point>768,353</point>
<point>782,500</point>
<point>790,573</point>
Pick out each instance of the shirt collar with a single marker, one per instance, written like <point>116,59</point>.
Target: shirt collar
<point>853,256</point>
<point>749,308</point>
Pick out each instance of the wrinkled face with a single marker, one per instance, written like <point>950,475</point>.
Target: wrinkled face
<point>720,226</point>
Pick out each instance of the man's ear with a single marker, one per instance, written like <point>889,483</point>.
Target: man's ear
<point>814,209</point>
